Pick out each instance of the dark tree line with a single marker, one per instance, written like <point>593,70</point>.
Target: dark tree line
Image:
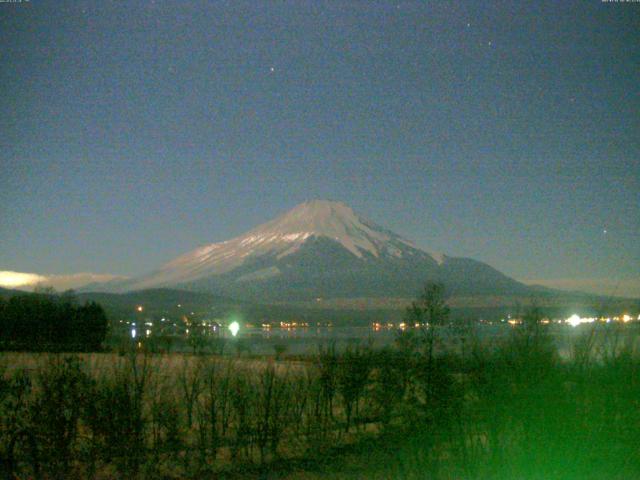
<point>45,321</point>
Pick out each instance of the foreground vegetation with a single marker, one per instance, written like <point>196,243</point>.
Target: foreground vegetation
<point>421,409</point>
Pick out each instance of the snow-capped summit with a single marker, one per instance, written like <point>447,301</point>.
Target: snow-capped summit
<point>319,248</point>
<point>324,218</point>
<point>280,237</point>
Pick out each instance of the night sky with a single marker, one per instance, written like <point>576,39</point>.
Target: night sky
<point>509,132</point>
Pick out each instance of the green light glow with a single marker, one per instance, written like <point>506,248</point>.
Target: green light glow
<point>234,327</point>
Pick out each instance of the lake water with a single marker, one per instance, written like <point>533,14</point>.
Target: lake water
<point>307,340</point>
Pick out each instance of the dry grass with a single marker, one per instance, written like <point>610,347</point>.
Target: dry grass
<point>513,411</point>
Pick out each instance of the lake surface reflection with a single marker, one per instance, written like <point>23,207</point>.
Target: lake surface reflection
<point>307,340</point>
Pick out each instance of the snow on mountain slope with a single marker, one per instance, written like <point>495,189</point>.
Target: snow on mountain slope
<point>281,237</point>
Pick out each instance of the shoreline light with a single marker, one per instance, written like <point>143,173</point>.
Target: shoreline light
<point>575,320</point>
<point>234,327</point>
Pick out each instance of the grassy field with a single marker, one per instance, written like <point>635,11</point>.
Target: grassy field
<point>510,410</point>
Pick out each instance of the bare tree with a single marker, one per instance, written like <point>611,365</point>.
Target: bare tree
<point>190,381</point>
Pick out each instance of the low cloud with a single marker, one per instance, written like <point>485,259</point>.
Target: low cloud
<point>602,286</point>
<point>28,281</point>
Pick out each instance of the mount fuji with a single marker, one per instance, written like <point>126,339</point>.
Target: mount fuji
<point>320,249</point>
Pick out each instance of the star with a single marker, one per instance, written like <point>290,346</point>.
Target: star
<point>272,69</point>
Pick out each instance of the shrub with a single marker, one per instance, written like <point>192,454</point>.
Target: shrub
<point>19,454</point>
<point>62,393</point>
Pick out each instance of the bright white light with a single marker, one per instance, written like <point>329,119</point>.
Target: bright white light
<point>139,308</point>
<point>17,279</point>
<point>574,320</point>
<point>626,318</point>
<point>11,279</point>
<point>133,333</point>
<point>148,332</point>
<point>234,327</point>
